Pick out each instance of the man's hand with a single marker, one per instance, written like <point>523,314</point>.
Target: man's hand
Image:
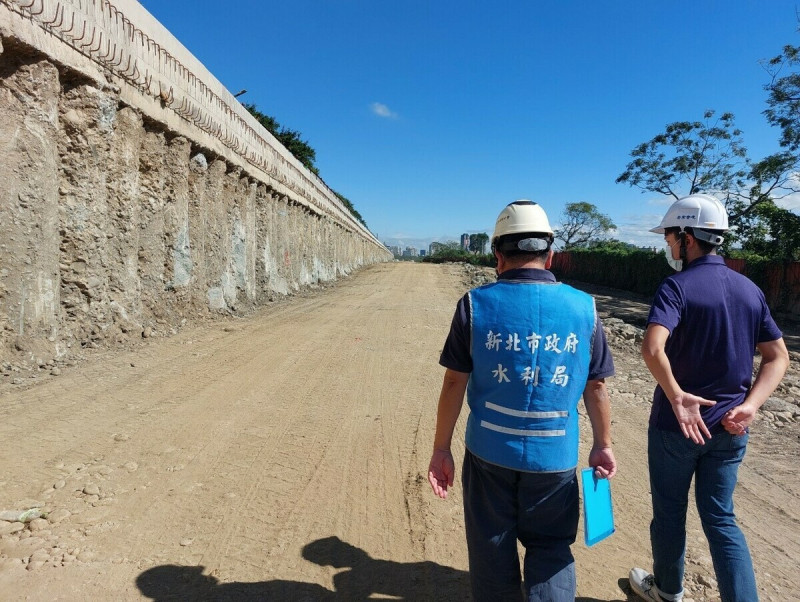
<point>441,471</point>
<point>685,405</point>
<point>603,461</point>
<point>738,419</point>
<point>687,410</point>
<point>774,362</point>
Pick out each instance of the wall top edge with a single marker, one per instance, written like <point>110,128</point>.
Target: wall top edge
<point>122,37</point>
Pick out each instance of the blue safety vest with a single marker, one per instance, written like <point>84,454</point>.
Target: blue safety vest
<point>531,346</point>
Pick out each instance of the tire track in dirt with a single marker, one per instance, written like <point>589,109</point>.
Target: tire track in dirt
<point>286,453</point>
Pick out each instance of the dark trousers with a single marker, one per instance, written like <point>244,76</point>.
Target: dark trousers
<point>540,510</point>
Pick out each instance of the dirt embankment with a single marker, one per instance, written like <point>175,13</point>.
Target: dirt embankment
<point>282,457</point>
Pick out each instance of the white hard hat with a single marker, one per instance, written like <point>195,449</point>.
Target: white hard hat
<point>522,217</point>
<point>701,212</point>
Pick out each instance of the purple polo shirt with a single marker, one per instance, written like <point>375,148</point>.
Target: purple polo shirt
<point>715,317</point>
<point>457,355</point>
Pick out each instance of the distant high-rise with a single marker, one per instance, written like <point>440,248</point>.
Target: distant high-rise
<point>465,242</point>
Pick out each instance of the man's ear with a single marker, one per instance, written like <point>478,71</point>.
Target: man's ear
<point>501,261</point>
<point>549,261</point>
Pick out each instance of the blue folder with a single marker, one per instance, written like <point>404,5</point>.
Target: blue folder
<point>598,513</point>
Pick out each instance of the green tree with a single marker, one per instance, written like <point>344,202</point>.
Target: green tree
<point>783,103</point>
<point>779,229</point>
<point>689,157</point>
<point>346,202</point>
<point>477,243</point>
<point>709,156</point>
<point>612,244</point>
<point>300,149</point>
<point>582,224</point>
<point>774,233</point>
<point>448,248</point>
<point>452,251</point>
<point>291,139</point>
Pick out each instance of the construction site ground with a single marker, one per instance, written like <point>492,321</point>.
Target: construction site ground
<point>283,456</point>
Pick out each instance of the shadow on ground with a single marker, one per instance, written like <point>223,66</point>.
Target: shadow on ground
<point>365,576</point>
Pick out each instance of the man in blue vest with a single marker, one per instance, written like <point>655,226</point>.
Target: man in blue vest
<point>524,349</point>
<point>704,325</point>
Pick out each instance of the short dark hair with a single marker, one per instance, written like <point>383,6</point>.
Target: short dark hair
<point>508,246</point>
<point>705,247</point>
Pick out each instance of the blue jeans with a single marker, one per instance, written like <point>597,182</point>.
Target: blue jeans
<point>673,460</point>
<point>541,510</point>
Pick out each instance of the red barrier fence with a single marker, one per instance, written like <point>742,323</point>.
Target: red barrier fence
<point>642,272</point>
<point>779,281</point>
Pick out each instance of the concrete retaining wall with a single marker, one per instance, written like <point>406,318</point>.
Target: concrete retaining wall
<point>135,192</point>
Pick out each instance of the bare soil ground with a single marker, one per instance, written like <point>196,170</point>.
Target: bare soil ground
<point>282,456</point>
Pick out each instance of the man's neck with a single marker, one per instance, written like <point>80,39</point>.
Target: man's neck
<point>691,254</point>
<point>528,265</point>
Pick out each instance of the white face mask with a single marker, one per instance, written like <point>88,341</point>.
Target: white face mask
<point>675,264</point>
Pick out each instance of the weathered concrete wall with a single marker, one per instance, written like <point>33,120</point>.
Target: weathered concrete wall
<point>118,220</point>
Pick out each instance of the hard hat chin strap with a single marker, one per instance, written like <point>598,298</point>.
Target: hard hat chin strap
<point>684,261</point>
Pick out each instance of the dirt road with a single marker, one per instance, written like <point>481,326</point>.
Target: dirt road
<point>282,457</point>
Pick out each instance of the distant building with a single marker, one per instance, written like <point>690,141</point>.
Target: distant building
<point>410,252</point>
<point>465,242</point>
<point>422,252</point>
<point>396,251</point>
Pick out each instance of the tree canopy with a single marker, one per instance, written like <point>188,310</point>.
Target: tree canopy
<point>783,103</point>
<point>774,233</point>
<point>689,157</point>
<point>581,225</point>
<point>477,242</point>
<point>346,202</point>
<point>291,139</point>
<point>709,156</point>
<point>300,149</point>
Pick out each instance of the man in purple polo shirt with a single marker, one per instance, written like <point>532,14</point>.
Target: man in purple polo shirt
<point>704,325</point>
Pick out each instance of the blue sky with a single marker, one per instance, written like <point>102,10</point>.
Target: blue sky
<point>430,116</point>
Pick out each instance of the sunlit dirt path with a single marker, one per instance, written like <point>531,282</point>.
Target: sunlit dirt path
<point>282,457</point>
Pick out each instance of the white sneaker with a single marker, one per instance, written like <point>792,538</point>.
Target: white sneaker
<point>644,585</point>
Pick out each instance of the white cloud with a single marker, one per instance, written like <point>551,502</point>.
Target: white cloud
<point>792,200</point>
<point>381,110</point>
<point>662,201</point>
<point>636,232</point>
<point>634,229</point>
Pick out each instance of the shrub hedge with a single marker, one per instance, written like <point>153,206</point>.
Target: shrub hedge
<point>641,271</point>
